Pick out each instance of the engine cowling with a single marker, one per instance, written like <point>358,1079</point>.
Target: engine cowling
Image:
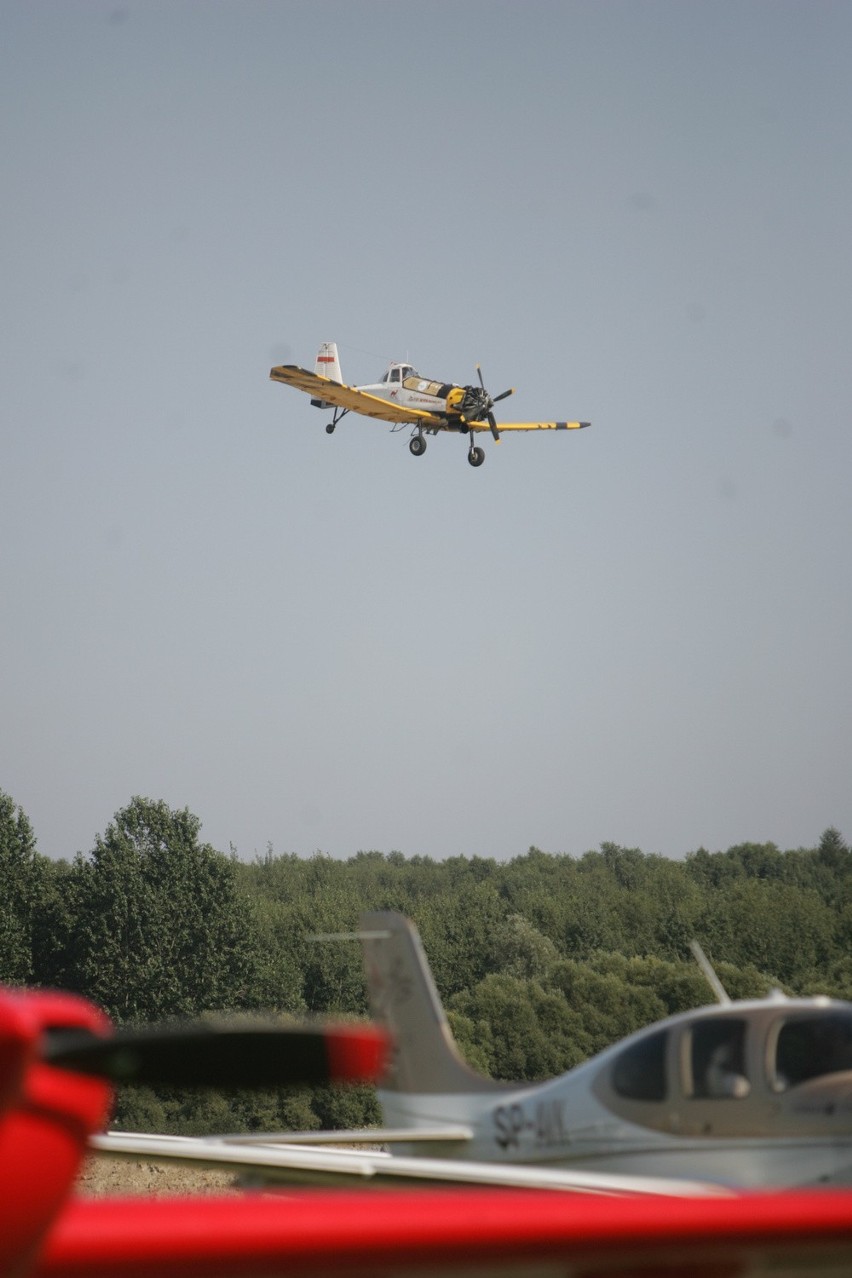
<point>470,402</point>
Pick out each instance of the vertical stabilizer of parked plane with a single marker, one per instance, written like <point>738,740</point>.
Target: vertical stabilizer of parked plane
<point>404,999</point>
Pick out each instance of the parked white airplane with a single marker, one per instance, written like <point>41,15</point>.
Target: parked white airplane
<point>739,1094</point>
<point>754,1093</point>
<point>403,397</point>
<point>59,1056</point>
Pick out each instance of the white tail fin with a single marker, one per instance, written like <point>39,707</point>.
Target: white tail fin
<point>403,998</point>
<point>328,365</point>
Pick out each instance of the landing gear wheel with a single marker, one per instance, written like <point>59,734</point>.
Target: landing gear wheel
<point>417,447</point>
<point>476,456</point>
<point>329,430</point>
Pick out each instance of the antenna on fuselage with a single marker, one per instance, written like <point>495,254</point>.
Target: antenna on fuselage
<point>709,975</point>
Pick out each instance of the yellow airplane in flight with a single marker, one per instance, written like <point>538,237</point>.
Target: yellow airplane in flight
<point>404,398</point>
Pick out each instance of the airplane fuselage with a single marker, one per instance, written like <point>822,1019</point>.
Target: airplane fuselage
<point>556,1130</point>
<point>403,385</point>
<point>656,1103</point>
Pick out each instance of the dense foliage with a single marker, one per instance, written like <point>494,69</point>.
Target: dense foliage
<point>541,960</point>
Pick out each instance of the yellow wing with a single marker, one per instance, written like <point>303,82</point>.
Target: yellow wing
<point>501,426</point>
<point>349,397</point>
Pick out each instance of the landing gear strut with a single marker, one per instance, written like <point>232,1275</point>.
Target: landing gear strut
<point>338,414</point>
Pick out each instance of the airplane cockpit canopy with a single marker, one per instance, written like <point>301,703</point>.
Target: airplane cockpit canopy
<point>812,1046</point>
<point>399,372</point>
<point>698,1071</point>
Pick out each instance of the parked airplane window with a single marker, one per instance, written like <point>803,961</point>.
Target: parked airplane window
<point>639,1072</point>
<point>811,1046</point>
<point>718,1059</point>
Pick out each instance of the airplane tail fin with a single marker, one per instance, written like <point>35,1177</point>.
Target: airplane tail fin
<point>327,365</point>
<point>404,999</point>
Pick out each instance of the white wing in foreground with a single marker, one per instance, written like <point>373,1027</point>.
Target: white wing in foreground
<point>295,1164</point>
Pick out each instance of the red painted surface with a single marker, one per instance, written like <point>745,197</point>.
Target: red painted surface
<point>46,1120</point>
<point>356,1054</point>
<point>335,1233</point>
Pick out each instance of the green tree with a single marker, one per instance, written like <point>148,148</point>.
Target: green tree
<point>525,1031</point>
<point>785,931</point>
<point>833,851</point>
<point>56,927</point>
<point>162,930</point>
<point>278,982</point>
<point>611,996</point>
<point>457,928</point>
<point>519,949</point>
<point>21,881</point>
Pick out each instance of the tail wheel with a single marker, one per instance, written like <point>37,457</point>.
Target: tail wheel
<point>329,430</point>
<point>476,456</point>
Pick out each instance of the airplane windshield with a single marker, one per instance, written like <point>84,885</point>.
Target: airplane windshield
<point>398,373</point>
<point>639,1072</point>
<point>717,1059</point>
<point>810,1047</point>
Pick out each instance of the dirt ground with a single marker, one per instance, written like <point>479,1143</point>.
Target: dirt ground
<point>101,1176</point>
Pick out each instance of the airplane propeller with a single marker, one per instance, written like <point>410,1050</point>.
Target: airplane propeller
<point>487,403</point>
<point>221,1056</point>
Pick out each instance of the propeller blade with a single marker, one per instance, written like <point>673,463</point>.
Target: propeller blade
<point>491,402</point>
<point>210,1056</point>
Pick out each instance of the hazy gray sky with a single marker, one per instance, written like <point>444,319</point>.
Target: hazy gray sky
<point>637,212</point>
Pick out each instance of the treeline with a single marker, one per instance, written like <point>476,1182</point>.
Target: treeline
<point>540,961</point>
